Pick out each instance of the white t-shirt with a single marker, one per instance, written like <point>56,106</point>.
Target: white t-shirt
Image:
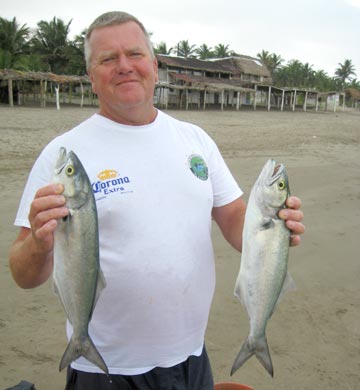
<point>155,187</point>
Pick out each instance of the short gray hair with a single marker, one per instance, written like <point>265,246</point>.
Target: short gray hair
<point>112,18</point>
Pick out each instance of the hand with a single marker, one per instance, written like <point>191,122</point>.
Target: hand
<point>293,217</point>
<point>45,209</point>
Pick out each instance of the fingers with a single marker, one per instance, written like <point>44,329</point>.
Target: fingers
<point>293,202</point>
<point>293,217</point>
<point>295,240</point>
<point>48,206</point>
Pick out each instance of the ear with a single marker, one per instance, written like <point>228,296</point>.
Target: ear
<point>156,70</point>
<point>93,85</point>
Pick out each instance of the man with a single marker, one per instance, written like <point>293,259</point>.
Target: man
<point>154,221</point>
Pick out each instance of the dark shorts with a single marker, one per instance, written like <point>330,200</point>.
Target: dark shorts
<point>193,374</point>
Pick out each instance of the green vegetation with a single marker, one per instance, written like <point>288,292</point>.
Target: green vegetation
<point>49,49</point>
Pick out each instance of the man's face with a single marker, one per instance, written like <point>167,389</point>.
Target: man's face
<point>122,70</point>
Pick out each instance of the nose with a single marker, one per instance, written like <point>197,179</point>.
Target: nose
<point>123,65</point>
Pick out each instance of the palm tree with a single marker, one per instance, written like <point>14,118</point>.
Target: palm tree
<point>307,75</point>
<point>51,42</point>
<point>264,56</point>
<point>13,42</point>
<point>184,49</point>
<point>74,51</point>
<point>271,61</point>
<point>222,51</point>
<point>204,52</point>
<point>161,48</point>
<point>344,72</point>
<point>322,81</point>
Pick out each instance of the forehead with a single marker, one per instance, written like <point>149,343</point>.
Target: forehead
<point>123,35</point>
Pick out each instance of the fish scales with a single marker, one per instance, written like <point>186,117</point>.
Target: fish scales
<point>77,275</point>
<point>263,276</point>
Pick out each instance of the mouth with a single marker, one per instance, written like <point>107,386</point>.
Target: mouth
<point>126,82</point>
<point>275,172</point>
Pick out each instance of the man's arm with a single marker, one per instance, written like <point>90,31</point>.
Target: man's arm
<point>31,254</point>
<point>230,219</point>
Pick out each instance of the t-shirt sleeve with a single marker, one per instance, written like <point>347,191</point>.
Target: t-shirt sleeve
<point>225,187</point>
<point>40,175</point>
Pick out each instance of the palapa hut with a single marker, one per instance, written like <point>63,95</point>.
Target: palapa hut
<point>354,96</point>
<point>225,82</point>
<point>23,86</point>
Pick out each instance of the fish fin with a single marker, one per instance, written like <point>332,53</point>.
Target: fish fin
<point>55,288</point>
<point>57,292</point>
<point>260,349</point>
<point>288,285</point>
<point>101,284</point>
<point>245,354</point>
<point>262,354</point>
<point>267,223</point>
<point>87,349</point>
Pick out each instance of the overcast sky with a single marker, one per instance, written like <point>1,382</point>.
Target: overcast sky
<point>321,32</point>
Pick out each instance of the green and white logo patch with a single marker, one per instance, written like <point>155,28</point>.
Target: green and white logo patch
<point>198,167</point>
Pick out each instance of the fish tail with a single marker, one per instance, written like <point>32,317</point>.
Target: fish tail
<point>87,349</point>
<point>260,349</point>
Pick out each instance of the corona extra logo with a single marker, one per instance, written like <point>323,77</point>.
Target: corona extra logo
<point>107,174</point>
<point>110,182</point>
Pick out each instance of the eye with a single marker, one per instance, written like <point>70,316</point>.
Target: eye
<point>281,184</point>
<point>135,54</point>
<point>107,59</point>
<point>70,170</point>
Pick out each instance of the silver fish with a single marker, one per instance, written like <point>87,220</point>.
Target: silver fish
<point>77,276</point>
<point>263,276</point>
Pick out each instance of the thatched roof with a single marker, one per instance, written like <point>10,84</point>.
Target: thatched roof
<point>191,63</point>
<point>353,93</point>
<point>233,66</point>
<point>244,64</point>
<point>211,83</point>
<point>7,74</point>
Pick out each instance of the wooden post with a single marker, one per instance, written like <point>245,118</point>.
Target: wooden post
<point>335,100</point>
<point>82,95</point>
<point>317,102</point>
<point>222,100</point>
<point>255,97</point>
<point>10,92</point>
<point>305,100</point>
<point>57,90</point>
<point>43,86</point>
<point>237,100</point>
<point>204,104</point>
<point>70,92</point>
<point>282,99</point>
<point>294,101</point>
<point>269,98</point>
<point>187,99</point>
<point>18,85</point>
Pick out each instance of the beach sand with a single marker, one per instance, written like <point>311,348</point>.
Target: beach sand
<point>314,334</point>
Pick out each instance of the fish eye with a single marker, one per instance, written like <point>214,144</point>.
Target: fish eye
<point>70,170</point>
<point>281,184</point>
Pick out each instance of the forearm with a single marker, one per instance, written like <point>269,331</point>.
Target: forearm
<point>230,219</point>
<point>30,267</point>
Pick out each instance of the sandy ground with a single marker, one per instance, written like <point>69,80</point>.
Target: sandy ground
<point>314,335</point>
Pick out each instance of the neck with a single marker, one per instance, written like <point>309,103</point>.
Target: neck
<point>131,116</point>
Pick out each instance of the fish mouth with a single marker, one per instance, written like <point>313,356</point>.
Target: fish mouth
<point>61,161</point>
<point>272,172</point>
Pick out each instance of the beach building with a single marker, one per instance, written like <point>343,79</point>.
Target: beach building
<point>184,83</point>
<point>190,82</point>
